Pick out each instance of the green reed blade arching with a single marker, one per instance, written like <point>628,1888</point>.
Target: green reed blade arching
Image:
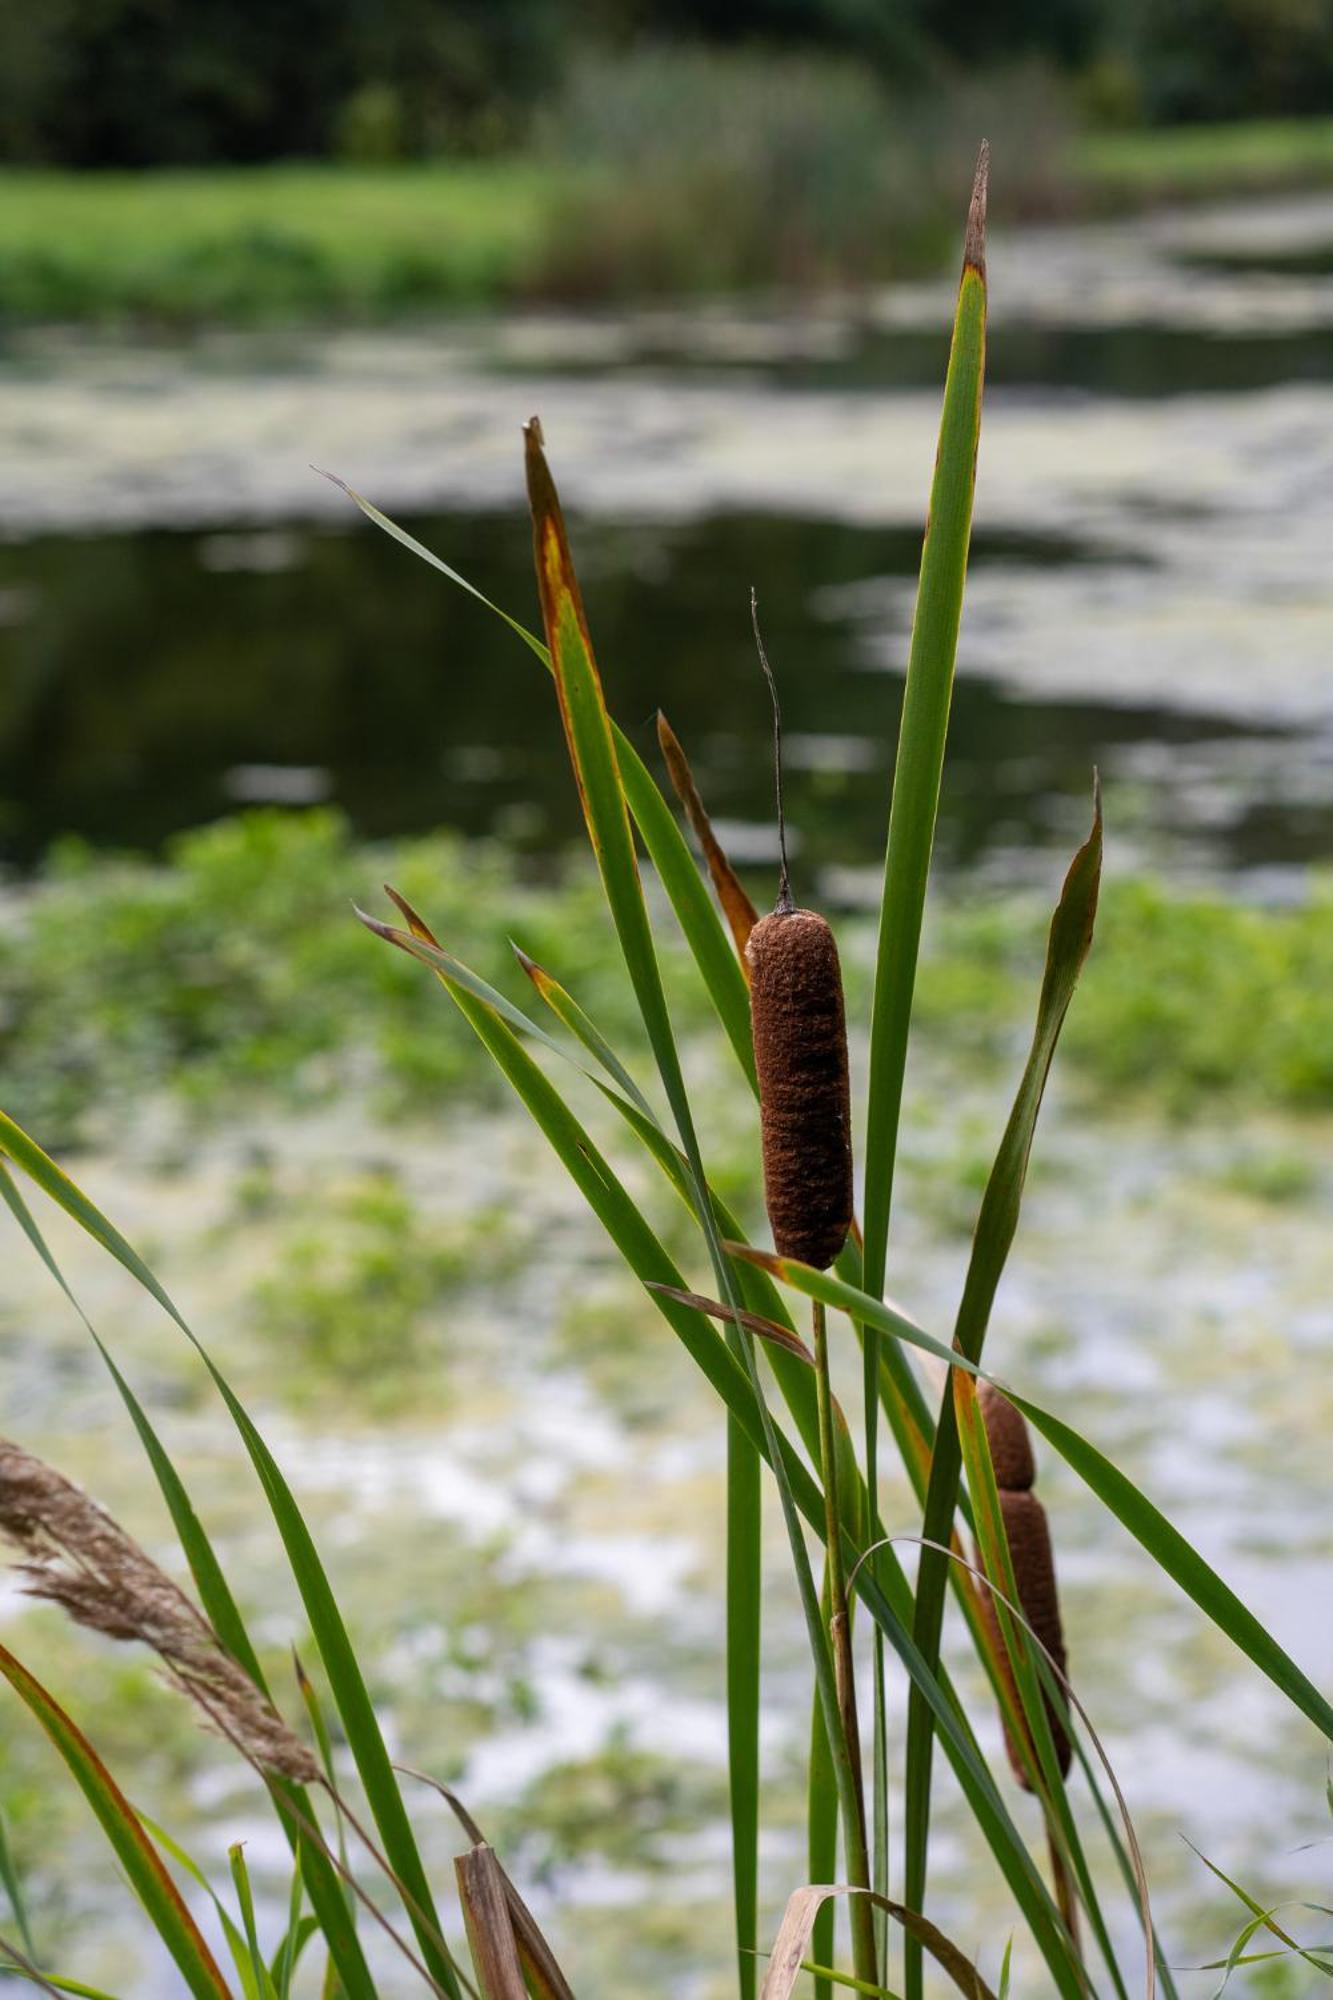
<point>240,1875</point>
<point>646,1257</point>
<point>1031,1728</point>
<point>1067,948</point>
<point>291,1801</point>
<point>591,744</point>
<point>346,1680</point>
<point>567,1009</point>
<point>758,1293</point>
<point>13,1888</point>
<point>913,809</point>
<point>237,1945</point>
<point>158,1894</point>
<point>699,921</point>
<point>923,730</point>
<point>1178,1558</point>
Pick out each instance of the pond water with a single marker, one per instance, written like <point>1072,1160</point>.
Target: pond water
<point>190,620</point>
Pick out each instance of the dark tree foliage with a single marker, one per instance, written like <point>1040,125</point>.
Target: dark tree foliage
<point>1201,59</point>
<point>135,82</point>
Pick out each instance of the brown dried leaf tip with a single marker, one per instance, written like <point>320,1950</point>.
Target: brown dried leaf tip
<point>1029,1537</point>
<point>974,242</point>
<point>800,1049</point>
<point>76,1556</point>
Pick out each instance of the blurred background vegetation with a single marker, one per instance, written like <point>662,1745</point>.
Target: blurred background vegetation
<point>134,83</point>
<point>510,149</point>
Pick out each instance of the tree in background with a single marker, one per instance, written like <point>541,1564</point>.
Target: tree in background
<point>130,83</point>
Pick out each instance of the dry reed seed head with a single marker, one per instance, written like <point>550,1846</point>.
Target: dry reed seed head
<point>800,1049</point>
<point>1009,1441</point>
<point>75,1555</point>
<point>1030,1552</point>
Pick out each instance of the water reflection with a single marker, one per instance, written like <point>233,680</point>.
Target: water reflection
<point>153,681</point>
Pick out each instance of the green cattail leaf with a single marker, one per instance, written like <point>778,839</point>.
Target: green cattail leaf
<point>50,1982</point>
<point>292,1802</point>
<point>242,1957</point>
<point>913,810</point>
<point>699,921</point>
<point>567,1009</point>
<point>923,729</point>
<point>1131,1507</point>
<point>264,1988</point>
<point>13,1889</point>
<point>158,1894</point>
<point>346,1681</point>
<point>225,1618</point>
<point>592,752</point>
<point>891,1604</point>
<point>1067,948</point>
<point>1022,1672</point>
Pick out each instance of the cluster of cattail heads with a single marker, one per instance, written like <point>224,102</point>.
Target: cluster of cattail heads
<point>73,1554</point>
<point>1029,1540</point>
<point>799,1025</point>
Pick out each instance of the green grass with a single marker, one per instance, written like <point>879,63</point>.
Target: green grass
<point>256,243</point>
<point>1257,156</point>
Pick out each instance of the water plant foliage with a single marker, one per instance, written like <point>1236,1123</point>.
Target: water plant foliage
<point>354,1835</point>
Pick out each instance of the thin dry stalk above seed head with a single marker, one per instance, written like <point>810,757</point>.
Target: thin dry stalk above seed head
<point>75,1555</point>
<point>799,1025</point>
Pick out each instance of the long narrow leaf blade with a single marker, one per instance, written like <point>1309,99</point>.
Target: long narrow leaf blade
<point>135,1852</point>
<point>1067,948</point>
<point>923,730</point>
<point>346,1680</point>
<point>291,1801</point>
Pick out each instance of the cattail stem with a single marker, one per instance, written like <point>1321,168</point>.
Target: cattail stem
<point>862,1911</point>
<point>1066,1899</point>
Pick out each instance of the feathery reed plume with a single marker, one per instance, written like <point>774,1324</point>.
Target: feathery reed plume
<point>800,1051</point>
<point>1029,1539</point>
<point>76,1556</point>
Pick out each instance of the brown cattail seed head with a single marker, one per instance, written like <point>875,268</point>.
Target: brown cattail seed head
<point>1007,1436</point>
<point>1034,1573</point>
<point>800,1051</point>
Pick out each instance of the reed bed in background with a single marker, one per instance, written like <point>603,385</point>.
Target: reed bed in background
<point>774,988</point>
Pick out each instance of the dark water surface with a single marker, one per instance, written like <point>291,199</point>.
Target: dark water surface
<point>151,681</point>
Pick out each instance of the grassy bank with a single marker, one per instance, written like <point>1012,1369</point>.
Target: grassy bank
<point>1205,162</point>
<point>236,974</point>
<point>265,242</point>
<point>801,195</point>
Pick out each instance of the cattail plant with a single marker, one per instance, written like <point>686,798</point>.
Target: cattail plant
<point>800,1053</point>
<point>1029,1538</point>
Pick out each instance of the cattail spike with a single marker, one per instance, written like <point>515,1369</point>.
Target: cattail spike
<point>800,1051</point>
<point>1029,1537</point>
<point>1008,1439</point>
